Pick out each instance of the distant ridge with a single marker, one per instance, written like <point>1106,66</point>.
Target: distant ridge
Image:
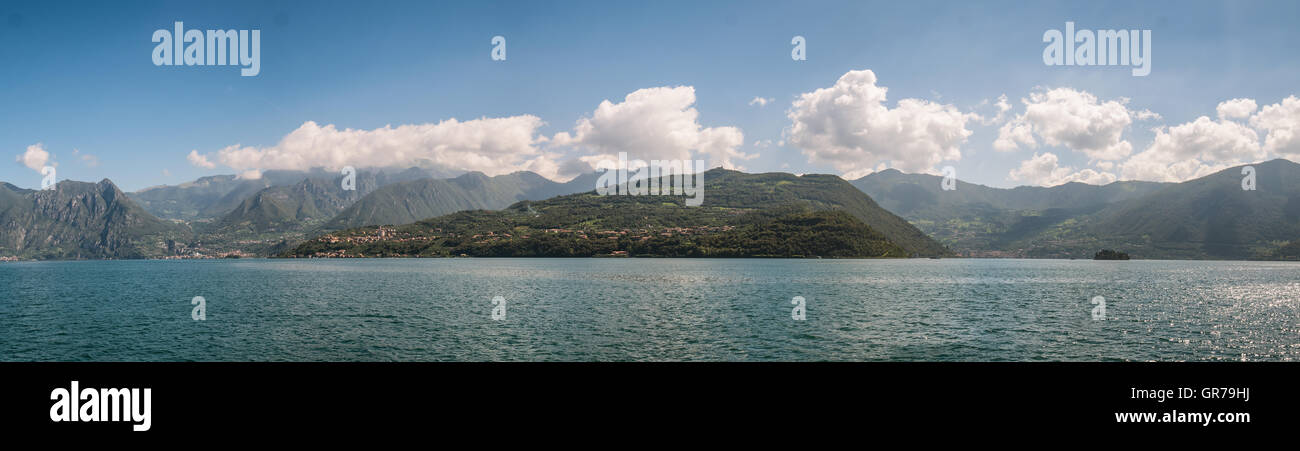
<point>407,202</point>
<point>1208,217</point>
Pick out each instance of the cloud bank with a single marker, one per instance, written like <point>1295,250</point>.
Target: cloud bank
<point>651,123</point>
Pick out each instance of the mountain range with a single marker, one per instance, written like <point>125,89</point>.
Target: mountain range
<point>1209,217</point>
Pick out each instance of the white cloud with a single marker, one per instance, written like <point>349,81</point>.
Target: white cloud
<point>1013,134</point>
<point>1045,170</point>
<point>849,127</point>
<point>200,160</point>
<point>1003,107</point>
<point>1194,149</point>
<point>1074,119</point>
<point>1146,115</point>
<point>490,145</point>
<point>1159,168</point>
<point>761,101</point>
<point>1282,122</point>
<point>35,158</point>
<point>1236,109</point>
<point>653,124</point>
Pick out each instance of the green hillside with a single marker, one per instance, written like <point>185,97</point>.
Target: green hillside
<point>742,215</point>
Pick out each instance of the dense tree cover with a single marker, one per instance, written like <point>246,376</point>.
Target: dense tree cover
<point>636,227</point>
<point>1107,254</point>
<point>743,215</point>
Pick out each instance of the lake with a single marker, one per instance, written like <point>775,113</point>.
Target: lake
<point>649,309</point>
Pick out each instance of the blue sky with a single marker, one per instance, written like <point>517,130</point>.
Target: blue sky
<point>79,76</point>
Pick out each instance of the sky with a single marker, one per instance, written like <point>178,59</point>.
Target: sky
<point>915,86</point>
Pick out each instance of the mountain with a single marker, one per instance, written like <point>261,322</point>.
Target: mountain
<point>820,191</point>
<point>276,218</point>
<point>742,215</point>
<point>80,220</point>
<point>1209,217</point>
<point>977,220</point>
<point>407,202</point>
<point>215,196</point>
<point>302,205</point>
<point>208,197</point>
<point>901,192</point>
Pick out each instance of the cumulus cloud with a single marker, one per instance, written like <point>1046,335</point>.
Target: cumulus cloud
<point>761,101</point>
<point>1074,119</point>
<point>1003,108</point>
<point>1194,149</point>
<point>35,158</point>
<point>199,160</point>
<point>1236,109</point>
<point>849,127</point>
<point>490,145</point>
<point>1045,170</point>
<point>1282,122</point>
<point>653,124</point>
<point>1146,115</point>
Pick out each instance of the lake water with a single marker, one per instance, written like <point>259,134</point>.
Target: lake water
<point>649,309</point>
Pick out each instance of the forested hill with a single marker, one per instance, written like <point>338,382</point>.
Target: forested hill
<point>743,215</point>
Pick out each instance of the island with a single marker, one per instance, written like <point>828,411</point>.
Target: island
<point>1107,254</point>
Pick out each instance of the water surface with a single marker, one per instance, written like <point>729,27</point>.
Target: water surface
<point>649,309</point>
